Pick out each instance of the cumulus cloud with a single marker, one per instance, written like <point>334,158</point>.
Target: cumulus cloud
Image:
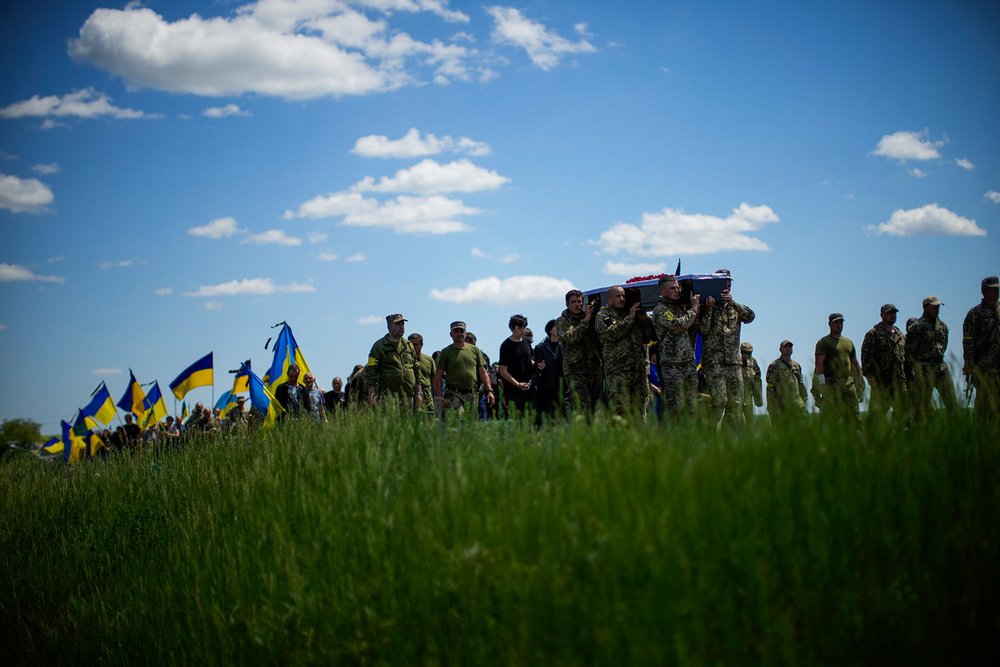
<point>370,319</point>
<point>430,177</point>
<point>249,287</point>
<point>627,270</point>
<point>86,103</point>
<point>404,214</point>
<point>46,169</point>
<point>917,172</point>
<point>965,164</point>
<point>223,112</point>
<point>412,145</point>
<point>273,237</point>
<point>516,289</point>
<point>509,258</point>
<point>12,273</point>
<point>929,220</point>
<point>544,47</point>
<point>672,232</point>
<point>117,264</point>
<point>28,195</point>
<point>107,371</point>
<point>905,146</point>
<point>220,228</point>
<point>993,196</point>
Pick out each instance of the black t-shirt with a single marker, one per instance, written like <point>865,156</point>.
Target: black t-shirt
<point>517,358</point>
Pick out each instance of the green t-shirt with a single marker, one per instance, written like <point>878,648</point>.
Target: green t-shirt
<point>839,351</point>
<point>461,366</point>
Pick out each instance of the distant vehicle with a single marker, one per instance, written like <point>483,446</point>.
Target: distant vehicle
<point>644,289</point>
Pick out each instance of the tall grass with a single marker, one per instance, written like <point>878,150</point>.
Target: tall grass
<point>379,539</point>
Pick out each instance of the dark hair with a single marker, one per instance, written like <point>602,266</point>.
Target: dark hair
<point>549,326</point>
<point>573,292</point>
<point>415,336</point>
<point>517,320</point>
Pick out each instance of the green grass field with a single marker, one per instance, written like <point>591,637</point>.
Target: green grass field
<point>385,540</point>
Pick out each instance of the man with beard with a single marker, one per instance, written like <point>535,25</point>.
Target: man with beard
<point>883,358</point>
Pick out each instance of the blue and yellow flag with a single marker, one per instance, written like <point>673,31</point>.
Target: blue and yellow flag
<point>132,399</point>
<point>101,407</point>
<point>74,448</point>
<point>286,353</point>
<point>154,409</point>
<point>225,403</point>
<point>198,374</point>
<point>241,383</point>
<point>185,413</point>
<point>53,446</point>
<point>263,401</point>
<point>94,444</point>
<point>83,423</point>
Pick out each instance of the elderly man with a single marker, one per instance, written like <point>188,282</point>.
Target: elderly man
<point>460,365</point>
<point>624,333</point>
<point>786,392</point>
<point>836,368</point>
<point>720,326</point>
<point>581,354</point>
<point>672,321</point>
<point>926,345</point>
<point>981,350</point>
<point>752,390</point>
<point>883,362</point>
<point>393,368</point>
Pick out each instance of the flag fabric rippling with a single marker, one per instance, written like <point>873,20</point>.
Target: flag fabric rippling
<point>286,353</point>
<point>101,407</point>
<point>132,399</point>
<point>198,374</point>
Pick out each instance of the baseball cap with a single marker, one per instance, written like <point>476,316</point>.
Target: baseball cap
<point>991,281</point>
<point>889,308</point>
<point>458,324</point>
<point>746,346</point>
<point>835,316</point>
<point>786,342</point>
<point>395,317</point>
<point>933,301</point>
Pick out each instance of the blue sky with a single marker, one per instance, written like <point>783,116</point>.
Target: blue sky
<point>177,177</point>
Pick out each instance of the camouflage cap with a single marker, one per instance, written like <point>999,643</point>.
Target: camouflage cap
<point>991,281</point>
<point>394,318</point>
<point>889,308</point>
<point>932,301</point>
<point>746,347</point>
<point>835,316</point>
<point>458,324</point>
<point>785,342</point>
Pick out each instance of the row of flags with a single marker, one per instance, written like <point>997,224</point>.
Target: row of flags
<point>80,440</point>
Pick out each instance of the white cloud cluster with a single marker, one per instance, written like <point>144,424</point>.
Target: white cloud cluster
<point>224,112</point>
<point>220,228</point>
<point>46,169</point>
<point>905,146</point>
<point>28,195</point>
<point>86,103</point>
<point>672,232</point>
<point>544,47</point>
<point>929,220</point>
<point>370,319</point>
<point>249,287</point>
<point>412,145</point>
<point>516,289</point>
<point>627,269</point>
<point>430,177</point>
<point>509,258</point>
<point>12,273</point>
<point>273,237</point>
<point>164,291</point>
<point>993,196</point>
<point>965,164</point>
<point>357,257</point>
<point>117,264</point>
<point>224,228</point>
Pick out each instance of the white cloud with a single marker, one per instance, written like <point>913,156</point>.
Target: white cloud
<point>249,287</point>
<point>430,177</point>
<point>509,258</point>
<point>46,169</point>
<point>928,220</point>
<point>993,196</point>
<point>370,319</point>
<point>328,256</point>
<point>904,146</point>
<point>438,7</point>
<point>357,257</point>
<point>516,289</point>
<point>10,273</point>
<point>213,305</point>
<point>413,145</point>
<point>917,172</point>
<point>627,270</point>
<point>673,232</point>
<point>965,164</point>
<point>117,264</point>
<point>317,237</point>
<point>86,103</point>
<point>107,371</point>
<point>404,214</point>
<point>273,237</point>
<point>545,48</point>
<point>220,228</point>
<point>3,327</point>
<point>164,291</point>
<point>223,112</point>
<point>27,195</point>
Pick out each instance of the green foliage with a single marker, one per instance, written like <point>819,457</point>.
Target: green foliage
<point>21,432</point>
<point>384,540</point>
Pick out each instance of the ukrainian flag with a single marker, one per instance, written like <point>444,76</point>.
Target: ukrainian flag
<point>241,383</point>
<point>198,374</point>
<point>154,409</point>
<point>263,401</point>
<point>101,407</point>
<point>185,413</point>
<point>74,449</point>
<point>132,399</point>
<point>53,446</point>
<point>225,403</point>
<point>83,423</point>
<point>286,353</point>
<point>94,444</point>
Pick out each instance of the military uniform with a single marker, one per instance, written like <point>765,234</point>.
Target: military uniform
<point>786,391</point>
<point>883,357</point>
<point>672,321</point>
<point>392,369</point>
<point>720,357</point>
<point>838,395</point>
<point>981,352</point>
<point>626,363</point>
<point>460,367</point>
<point>752,390</point>
<point>425,376</point>
<point>926,344</point>
<point>581,361</point>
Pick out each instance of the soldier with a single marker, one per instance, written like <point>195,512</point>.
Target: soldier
<point>720,353</point>
<point>883,363</point>
<point>425,374</point>
<point>581,355</point>
<point>981,350</point>
<point>623,334</point>
<point>672,321</point>
<point>926,344</point>
<point>836,366</point>
<point>392,366</point>
<point>786,392</point>
<point>460,365</point>
<point>752,393</point>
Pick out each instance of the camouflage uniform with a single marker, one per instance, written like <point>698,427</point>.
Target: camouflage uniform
<point>672,321</point>
<point>883,357</point>
<point>786,392</point>
<point>425,376</point>
<point>626,364</point>
<point>752,391</point>
<point>392,369</point>
<point>720,357</point>
<point>981,348</point>
<point>581,361</point>
<point>926,343</point>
